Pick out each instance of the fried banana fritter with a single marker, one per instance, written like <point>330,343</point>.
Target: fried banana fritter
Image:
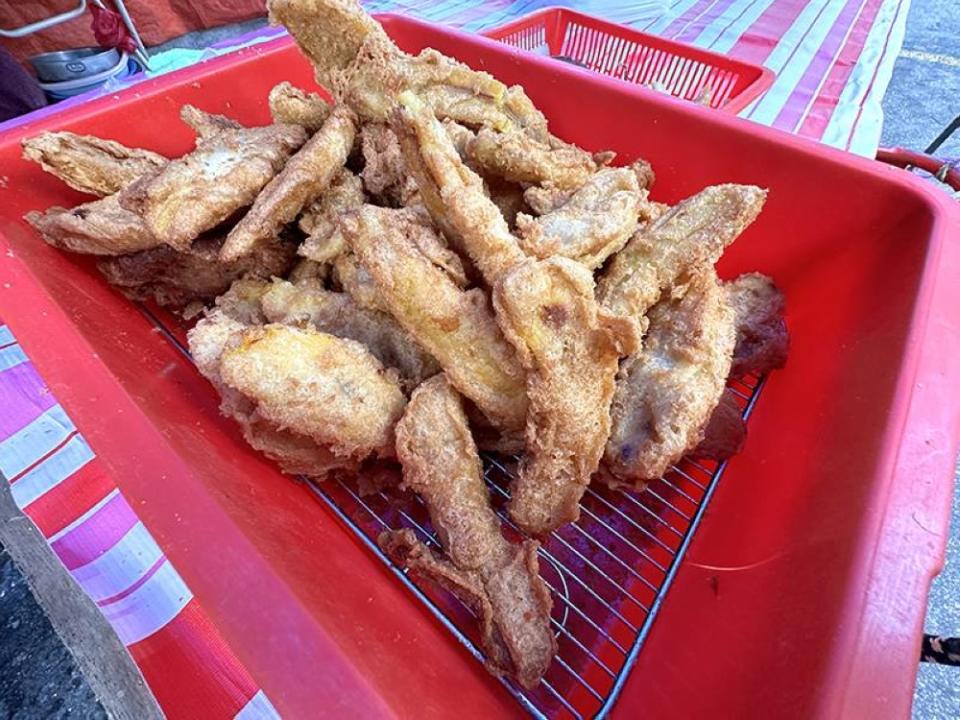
<point>338,314</point>
<point>90,164</point>
<point>499,579</point>
<point>548,312</point>
<point>597,220</point>
<point>455,326</point>
<point>321,219</point>
<point>205,124</point>
<point>762,338</point>
<point>290,105</point>
<point>452,193</point>
<point>174,278</point>
<point>330,389</point>
<point>357,282</point>
<point>294,452</point>
<point>384,171</point>
<point>518,156</point>
<point>694,232</point>
<point>307,174</point>
<point>225,173</point>
<point>666,393</point>
<point>100,227</point>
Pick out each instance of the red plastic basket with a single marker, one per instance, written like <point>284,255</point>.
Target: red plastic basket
<point>816,548</point>
<point>676,68</point>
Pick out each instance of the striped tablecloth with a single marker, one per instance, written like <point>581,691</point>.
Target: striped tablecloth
<point>833,60</point>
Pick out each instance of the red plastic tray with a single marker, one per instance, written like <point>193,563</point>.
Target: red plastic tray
<point>679,69</point>
<point>803,592</point>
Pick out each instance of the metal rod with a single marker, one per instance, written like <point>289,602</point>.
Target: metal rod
<point>45,23</point>
<point>668,504</point>
<point>613,531</point>
<point>677,490</point>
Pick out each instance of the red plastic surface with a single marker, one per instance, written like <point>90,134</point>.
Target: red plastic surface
<point>638,58</point>
<point>803,592</point>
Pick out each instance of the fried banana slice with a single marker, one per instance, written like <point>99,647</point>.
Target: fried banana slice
<point>455,326</point>
<point>499,579</point>
<point>295,453</point>
<point>90,164</point>
<point>100,227</point>
<point>597,220</point>
<point>338,314</point>
<point>547,310</point>
<point>321,219</point>
<point>354,279</point>
<point>694,232</point>
<point>330,389</point>
<point>518,156</point>
<point>307,174</point>
<point>290,105</point>
<point>203,188</point>
<point>384,171</point>
<point>762,338</point>
<point>205,124</point>
<point>452,193</point>
<point>174,278</point>
<point>666,393</point>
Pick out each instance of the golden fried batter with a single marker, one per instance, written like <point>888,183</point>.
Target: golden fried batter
<point>499,579</point>
<point>596,221</point>
<point>330,389</point>
<point>203,188</point>
<point>100,227</point>
<point>292,106</point>
<point>307,174</point>
<point>452,193</point>
<point>666,393</point>
<point>455,326</point>
<point>90,164</point>
<point>205,124</point>
<point>694,232</point>
<point>174,278</point>
<point>518,156</point>
<point>384,171</point>
<point>354,279</point>
<point>548,312</point>
<point>321,219</point>
<point>762,339</point>
<point>295,453</point>
<point>338,314</point>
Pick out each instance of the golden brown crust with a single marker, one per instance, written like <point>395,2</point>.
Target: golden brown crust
<point>292,106</point>
<point>594,223</point>
<point>90,164</point>
<point>666,393</point>
<point>225,173</point>
<point>547,310</point>
<point>455,326</point>
<point>518,156</point>
<point>306,174</point>
<point>693,233</point>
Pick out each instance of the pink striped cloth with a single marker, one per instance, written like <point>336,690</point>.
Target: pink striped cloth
<point>59,483</point>
<point>833,60</point>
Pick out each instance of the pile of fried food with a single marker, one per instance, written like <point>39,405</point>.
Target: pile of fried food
<point>419,269</point>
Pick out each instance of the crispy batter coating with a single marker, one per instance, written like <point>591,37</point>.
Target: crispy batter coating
<point>597,220</point>
<point>694,232</point>
<point>205,124</point>
<point>452,193</point>
<point>321,219</point>
<point>354,279</point>
<point>100,227</point>
<point>90,164</point>
<point>762,338</point>
<point>309,270</point>
<point>305,176</point>
<point>295,453</point>
<point>384,171</point>
<point>548,312</point>
<point>519,156</point>
<point>499,579</point>
<point>330,389</point>
<point>338,314</point>
<point>292,106</point>
<point>203,188</point>
<point>666,393</point>
<point>455,326</point>
<point>175,278</point>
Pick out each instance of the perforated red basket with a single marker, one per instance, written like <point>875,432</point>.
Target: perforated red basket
<point>621,52</point>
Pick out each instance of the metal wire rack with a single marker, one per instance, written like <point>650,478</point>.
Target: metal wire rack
<point>608,572</point>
